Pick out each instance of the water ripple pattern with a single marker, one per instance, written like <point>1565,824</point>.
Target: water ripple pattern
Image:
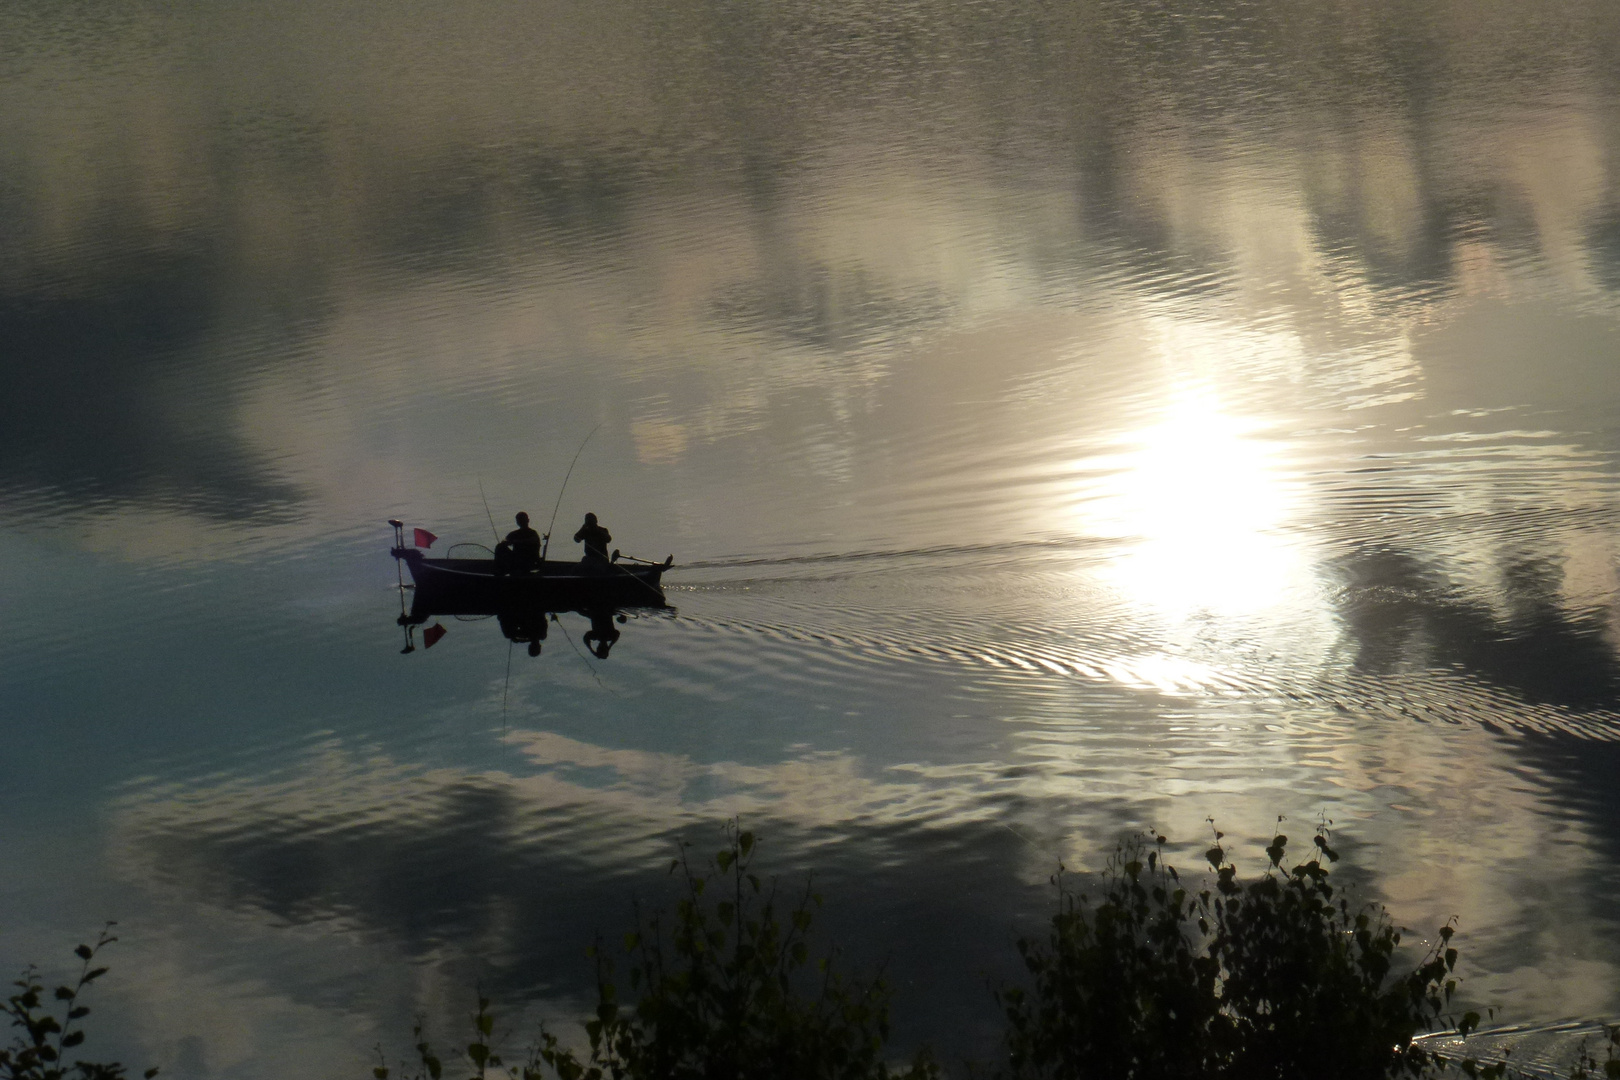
<point>1065,421</point>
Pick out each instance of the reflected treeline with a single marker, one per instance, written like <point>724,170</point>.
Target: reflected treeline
<point>575,196</point>
<point>1403,614</point>
<point>156,210</point>
<point>709,92</point>
<point>1603,240</point>
<point>816,306</point>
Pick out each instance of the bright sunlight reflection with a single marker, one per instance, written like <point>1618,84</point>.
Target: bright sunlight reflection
<point>1204,501</point>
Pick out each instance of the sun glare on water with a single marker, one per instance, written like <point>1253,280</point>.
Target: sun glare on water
<point>1202,501</point>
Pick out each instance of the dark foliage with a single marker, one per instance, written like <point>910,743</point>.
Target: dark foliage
<point>38,1050</point>
<point>724,990</point>
<point>1278,977</point>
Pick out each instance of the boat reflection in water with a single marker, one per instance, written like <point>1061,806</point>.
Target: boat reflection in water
<point>525,601</point>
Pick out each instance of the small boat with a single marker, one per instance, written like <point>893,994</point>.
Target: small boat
<point>481,587</point>
<point>524,600</point>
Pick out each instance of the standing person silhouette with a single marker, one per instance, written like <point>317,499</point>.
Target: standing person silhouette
<point>595,538</point>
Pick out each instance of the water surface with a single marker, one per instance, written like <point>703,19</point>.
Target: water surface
<point>1065,420</point>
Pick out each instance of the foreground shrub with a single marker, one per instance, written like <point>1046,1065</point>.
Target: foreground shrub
<point>724,990</point>
<point>1279,977</point>
<point>38,1051</point>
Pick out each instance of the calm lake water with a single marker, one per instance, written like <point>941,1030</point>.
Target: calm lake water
<point>1067,419</point>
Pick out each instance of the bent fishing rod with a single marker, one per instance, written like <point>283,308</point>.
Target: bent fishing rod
<point>546,540</point>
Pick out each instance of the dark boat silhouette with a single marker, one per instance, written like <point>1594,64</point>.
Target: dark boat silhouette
<point>522,599</point>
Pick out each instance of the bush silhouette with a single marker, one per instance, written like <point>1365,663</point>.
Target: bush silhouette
<point>724,990</point>
<point>38,1050</point>
<point>1278,977</point>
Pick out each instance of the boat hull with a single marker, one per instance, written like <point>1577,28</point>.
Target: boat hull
<point>472,587</point>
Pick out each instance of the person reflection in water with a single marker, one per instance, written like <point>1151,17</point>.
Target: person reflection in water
<point>524,627</point>
<point>595,538</point>
<point>602,634</point>
<point>520,551</point>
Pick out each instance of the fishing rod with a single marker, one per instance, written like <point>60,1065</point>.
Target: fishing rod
<point>487,514</point>
<point>546,540</point>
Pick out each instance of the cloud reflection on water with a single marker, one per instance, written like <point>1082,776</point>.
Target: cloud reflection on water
<point>508,873</point>
<point>1390,213</point>
<point>1173,411</point>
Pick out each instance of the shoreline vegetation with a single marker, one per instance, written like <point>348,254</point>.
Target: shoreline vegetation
<point>50,1027</point>
<point>1140,976</point>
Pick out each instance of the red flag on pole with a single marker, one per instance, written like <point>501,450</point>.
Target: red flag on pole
<point>424,538</point>
<point>431,636</point>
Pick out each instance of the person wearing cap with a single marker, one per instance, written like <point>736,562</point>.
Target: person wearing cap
<point>595,538</point>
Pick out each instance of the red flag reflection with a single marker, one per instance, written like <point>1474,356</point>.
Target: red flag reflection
<point>431,636</point>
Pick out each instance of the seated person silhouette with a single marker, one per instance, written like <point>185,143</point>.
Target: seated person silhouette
<point>520,551</point>
<point>595,538</point>
<point>602,634</point>
<point>524,627</point>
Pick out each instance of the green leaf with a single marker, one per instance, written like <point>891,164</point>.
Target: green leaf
<point>83,952</point>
